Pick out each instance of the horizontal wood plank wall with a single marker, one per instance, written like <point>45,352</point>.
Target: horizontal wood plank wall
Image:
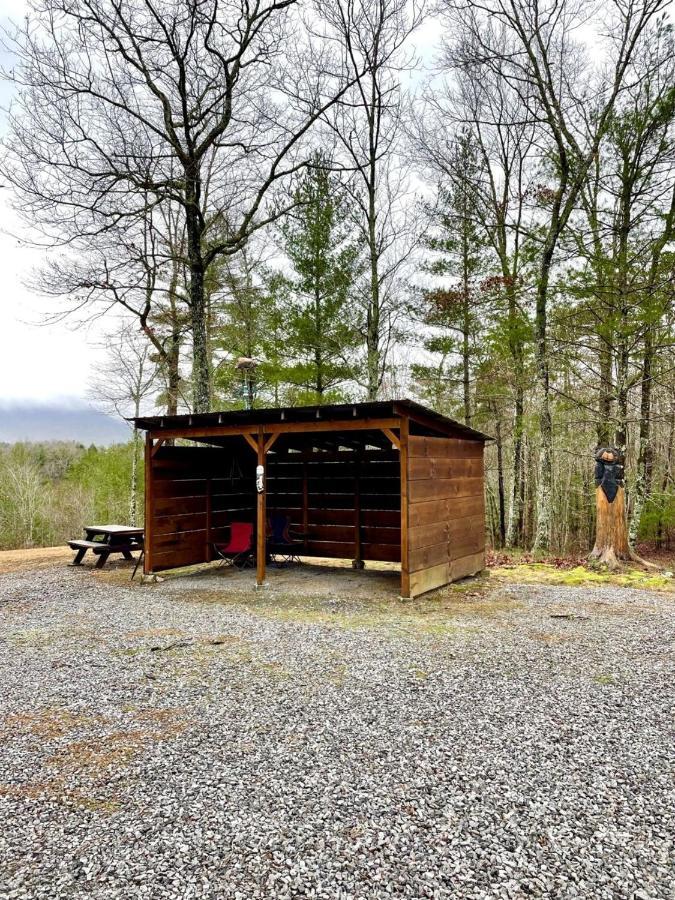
<point>329,522</point>
<point>196,493</point>
<point>446,534</point>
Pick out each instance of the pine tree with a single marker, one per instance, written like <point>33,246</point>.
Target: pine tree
<point>455,310</point>
<point>320,326</point>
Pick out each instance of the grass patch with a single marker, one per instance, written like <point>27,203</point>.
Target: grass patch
<point>48,723</point>
<point>90,759</point>
<point>542,573</point>
<point>452,611</point>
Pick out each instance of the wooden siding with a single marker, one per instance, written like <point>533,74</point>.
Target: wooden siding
<point>194,493</point>
<point>326,494</point>
<point>446,514</point>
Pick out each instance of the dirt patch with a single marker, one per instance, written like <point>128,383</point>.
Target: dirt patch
<point>47,723</point>
<point>78,769</point>
<point>35,558</point>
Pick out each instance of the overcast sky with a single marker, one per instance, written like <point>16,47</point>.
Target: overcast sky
<point>36,362</point>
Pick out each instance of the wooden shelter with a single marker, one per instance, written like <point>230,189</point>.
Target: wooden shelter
<point>387,480</point>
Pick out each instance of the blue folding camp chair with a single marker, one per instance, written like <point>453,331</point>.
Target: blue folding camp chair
<point>282,549</point>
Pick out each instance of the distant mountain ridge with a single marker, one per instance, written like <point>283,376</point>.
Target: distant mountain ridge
<point>62,421</point>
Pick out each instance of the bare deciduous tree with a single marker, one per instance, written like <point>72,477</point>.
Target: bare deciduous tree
<point>123,387</point>
<point>369,126</point>
<point>127,105</point>
<point>571,97</point>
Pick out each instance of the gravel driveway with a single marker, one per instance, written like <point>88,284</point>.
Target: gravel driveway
<point>500,742</point>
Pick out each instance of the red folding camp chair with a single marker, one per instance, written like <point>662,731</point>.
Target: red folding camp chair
<point>238,552</point>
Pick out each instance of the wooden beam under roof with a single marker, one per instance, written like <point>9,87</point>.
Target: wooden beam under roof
<point>197,432</point>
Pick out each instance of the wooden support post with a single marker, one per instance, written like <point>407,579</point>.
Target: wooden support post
<point>270,442</point>
<point>357,562</point>
<point>389,434</point>
<point>209,519</point>
<point>405,547</point>
<point>261,533</point>
<point>251,442</point>
<point>160,443</point>
<point>147,524</point>
<point>305,501</point>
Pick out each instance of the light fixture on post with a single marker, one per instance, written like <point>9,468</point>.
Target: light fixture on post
<point>247,367</point>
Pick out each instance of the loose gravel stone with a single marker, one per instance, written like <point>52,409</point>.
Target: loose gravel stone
<point>156,744</point>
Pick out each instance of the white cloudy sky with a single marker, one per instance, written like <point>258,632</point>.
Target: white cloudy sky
<point>37,362</point>
<point>45,362</point>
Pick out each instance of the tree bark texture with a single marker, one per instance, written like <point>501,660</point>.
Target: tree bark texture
<point>611,531</point>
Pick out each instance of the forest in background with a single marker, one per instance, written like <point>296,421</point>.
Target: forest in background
<point>491,232</point>
<point>50,490</point>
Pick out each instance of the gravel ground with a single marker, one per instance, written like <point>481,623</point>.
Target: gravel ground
<point>512,742</point>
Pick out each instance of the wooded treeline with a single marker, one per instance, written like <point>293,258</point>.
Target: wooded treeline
<point>487,225</point>
<point>50,490</point>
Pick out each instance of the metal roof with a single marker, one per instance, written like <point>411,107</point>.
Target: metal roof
<point>298,414</point>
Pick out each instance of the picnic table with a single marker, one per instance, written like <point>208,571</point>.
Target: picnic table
<point>103,540</point>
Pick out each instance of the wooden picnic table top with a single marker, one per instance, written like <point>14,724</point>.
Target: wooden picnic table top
<point>116,530</point>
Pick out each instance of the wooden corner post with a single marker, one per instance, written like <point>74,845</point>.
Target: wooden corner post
<point>149,500</point>
<point>261,518</point>
<point>405,545</point>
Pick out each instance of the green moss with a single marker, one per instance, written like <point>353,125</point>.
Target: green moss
<point>604,679</point>
<point>541,573</point>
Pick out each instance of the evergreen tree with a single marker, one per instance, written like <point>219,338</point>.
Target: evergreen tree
<point>321,333</point>
<point>456,309</point>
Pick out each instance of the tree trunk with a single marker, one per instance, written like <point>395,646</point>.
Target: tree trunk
<point>133,496</point>
<point>643,478</point>
<point>515,526</point>
<point>201,375</point>
<point>606,391</point>
<point>318,346</point>
<point>500,485</point>
<point>373,317</point>
<point>542,536</point>
<point>466,325</point>
<point>611,532</point>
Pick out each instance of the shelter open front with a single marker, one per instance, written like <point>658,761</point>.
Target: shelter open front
<point>375,481</point>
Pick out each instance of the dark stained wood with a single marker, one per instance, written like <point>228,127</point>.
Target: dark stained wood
<point>318,426</point>
<point>426,557</point>
<point>174,558</point>
<point>420,536</point>
<point>188,487</point>
<point>445,488</point>
<point>446,537</point>
<point>389,434</point>
<point>428,579</point>
<point>446,467</point>
<point>261,520</point>
<point>433,511</point>
<point>358,558</point>
<point>149,507</point>
<point>404,462</point>
<point>438,448</point>
<point>421,505</point>
<point>172,524</point>
<point>209,521</point>
<point>386,518</point>
<point>336,549</point>
<point>467,565</point>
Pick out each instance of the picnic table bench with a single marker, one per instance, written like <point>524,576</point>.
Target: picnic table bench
<point>103,540</point>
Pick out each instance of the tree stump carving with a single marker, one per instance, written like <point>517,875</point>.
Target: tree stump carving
<point>611,532</point>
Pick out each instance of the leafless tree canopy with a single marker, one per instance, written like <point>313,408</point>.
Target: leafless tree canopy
<point>510,203</point>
